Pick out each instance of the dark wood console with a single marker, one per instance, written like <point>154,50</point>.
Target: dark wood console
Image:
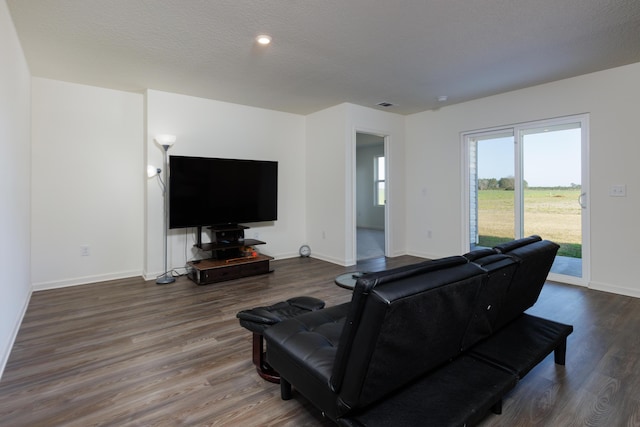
<point>228,260</point>
<point>217,270</point>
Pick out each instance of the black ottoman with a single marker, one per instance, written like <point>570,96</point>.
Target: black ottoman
<point>258,319</point>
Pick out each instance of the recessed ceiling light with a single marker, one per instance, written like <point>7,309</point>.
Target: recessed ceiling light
<point>263,39</point>
<point>442,98</point>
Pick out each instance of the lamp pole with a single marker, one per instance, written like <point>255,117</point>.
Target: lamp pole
<point>165,141</point>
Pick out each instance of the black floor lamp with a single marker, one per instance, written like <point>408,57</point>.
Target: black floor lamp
<point>165,141</point>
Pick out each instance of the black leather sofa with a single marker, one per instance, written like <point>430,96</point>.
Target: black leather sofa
<point>434,343</point>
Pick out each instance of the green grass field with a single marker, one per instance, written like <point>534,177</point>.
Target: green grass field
<point>554,214</point>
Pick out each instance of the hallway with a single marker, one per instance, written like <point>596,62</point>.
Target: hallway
<point>370,243</point>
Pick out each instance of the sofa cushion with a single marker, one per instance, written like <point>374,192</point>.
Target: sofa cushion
<point>535,260</point>
<point>500,271</point>
<point>362,290</point>
<point>418,321</point>
<point>459,393</point>
<point>523,343</point>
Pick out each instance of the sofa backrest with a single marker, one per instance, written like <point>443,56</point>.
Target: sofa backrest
<point>403,323</point>
<point>500,270</point>
<point>535,258</point>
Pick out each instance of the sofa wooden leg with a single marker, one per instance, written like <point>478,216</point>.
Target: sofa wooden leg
<point>262,367</point>
<point>560,353</point>
<point>285,389</point>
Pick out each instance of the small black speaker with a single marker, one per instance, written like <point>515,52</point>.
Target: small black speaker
<point>228,236</point>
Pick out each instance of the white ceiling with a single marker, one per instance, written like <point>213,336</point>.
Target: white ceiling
<point>326,52</point>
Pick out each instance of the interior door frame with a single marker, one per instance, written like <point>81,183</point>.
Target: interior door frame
<point>353,208</point>
<point>518,128</point>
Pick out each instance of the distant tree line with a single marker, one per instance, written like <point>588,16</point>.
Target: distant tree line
<point>508,183</point>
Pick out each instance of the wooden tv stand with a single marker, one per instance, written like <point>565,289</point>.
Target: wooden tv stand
<point>218,270</point>
<point>227,261</point>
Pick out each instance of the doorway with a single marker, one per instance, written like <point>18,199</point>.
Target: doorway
<point>371,196</point>
<point>531,179</point>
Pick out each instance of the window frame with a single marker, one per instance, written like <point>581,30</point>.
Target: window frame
<point>379,160</point>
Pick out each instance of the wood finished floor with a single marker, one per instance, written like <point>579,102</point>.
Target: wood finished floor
<point>130,352</point>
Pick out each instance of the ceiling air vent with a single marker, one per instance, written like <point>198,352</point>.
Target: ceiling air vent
<point>384,104</point>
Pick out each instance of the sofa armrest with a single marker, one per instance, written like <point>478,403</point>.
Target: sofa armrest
<point>479,253</point>
<point>306,303</point>
<point>515,244</point>
<point>302,349</point>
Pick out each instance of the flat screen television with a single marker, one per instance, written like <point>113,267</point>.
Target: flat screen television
<point>206,191</point>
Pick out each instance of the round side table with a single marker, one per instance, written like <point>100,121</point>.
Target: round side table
<point>348,280</point>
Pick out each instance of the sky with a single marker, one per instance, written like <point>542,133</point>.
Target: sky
<point>551,159</point>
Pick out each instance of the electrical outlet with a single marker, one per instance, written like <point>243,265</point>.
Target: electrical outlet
<point>619,190</point>
<point>84,250</point>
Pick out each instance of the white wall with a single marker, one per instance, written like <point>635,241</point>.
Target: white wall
<point>210,128</point>
<point>87,184</point>
<point>331,208</point>
<point>15,167</point>
<point>327,135</point>
<point>434,153</point>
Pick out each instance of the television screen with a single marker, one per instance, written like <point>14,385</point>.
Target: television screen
<point>211,191</point>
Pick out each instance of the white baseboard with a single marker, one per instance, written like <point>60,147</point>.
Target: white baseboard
<point>315,255</point>
<point>425,255</point>
<point>85,280</point>
<point>149,276</point>
<point>400,253</point>
<point>606,287</point>
<point>321,257</point>
<point>286,255</point>
<point>16,327</point>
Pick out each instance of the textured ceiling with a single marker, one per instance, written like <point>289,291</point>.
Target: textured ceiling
<point>326,52</point>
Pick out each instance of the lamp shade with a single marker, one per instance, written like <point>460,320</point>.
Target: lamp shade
<point>153,171</point>
<point>165,139</point>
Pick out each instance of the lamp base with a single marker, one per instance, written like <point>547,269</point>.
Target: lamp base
<point>165,279</point>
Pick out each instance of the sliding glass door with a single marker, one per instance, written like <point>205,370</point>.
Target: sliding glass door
<point>492,201</point>
<point>529,179</point>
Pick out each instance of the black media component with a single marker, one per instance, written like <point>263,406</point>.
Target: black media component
<point>207,191</point>
<point>228,236</point>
